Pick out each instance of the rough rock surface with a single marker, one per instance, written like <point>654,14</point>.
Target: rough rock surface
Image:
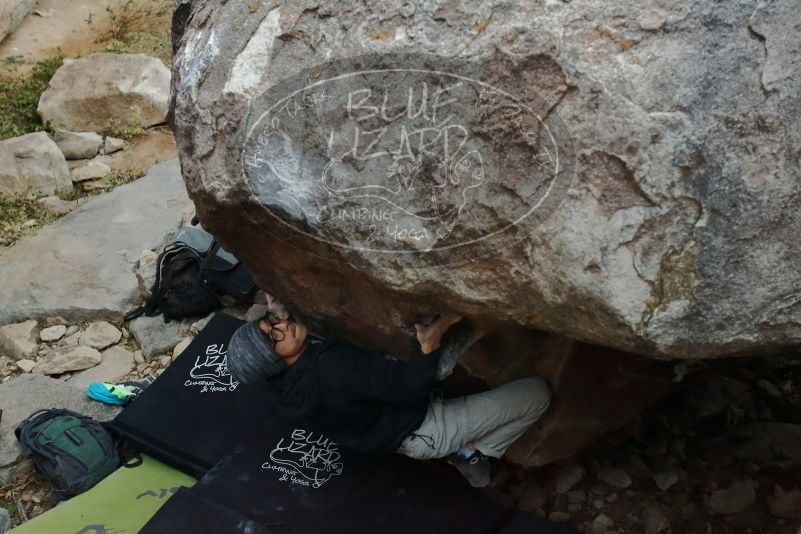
<point>112,145</point>
<point>68,359</point>
<point>100,335</point>
<point>26,365</point>
<point>86,94</point>
<point>58,206</point>
<point>11,14</point>
<point>115,362</point>
<point>78,145</point>
<point>91,171</point>
<point>32,163</point>
<point>680,171</point>
<point>157,337</point>
<point>53,333</point>
<point>18,340</point>
<point>736,498</point>
<point>51,273</point>
<point>23,395</point>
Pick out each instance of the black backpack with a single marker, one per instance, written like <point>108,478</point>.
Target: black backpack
<point>179,290</point>
<point>190,283</point>
<point>73,452</point>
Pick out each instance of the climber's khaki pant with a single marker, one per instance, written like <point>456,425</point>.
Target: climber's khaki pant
<point>491,421</point>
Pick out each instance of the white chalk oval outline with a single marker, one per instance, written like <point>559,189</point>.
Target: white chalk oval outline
<point>474,241</point>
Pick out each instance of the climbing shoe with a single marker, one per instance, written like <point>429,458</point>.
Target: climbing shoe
<point>474,468</point>
<point>105,392</point>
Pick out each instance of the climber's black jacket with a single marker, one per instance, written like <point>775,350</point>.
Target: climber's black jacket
<point>360,399</point>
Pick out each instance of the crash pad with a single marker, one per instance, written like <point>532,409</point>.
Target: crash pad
<point>188,512</point>
<point>122,502</point>
<point>195,413</point>
<point>300,484</point>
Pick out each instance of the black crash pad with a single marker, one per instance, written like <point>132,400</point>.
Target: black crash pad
<point>194,413</point>
<point>274,486</point>
<point>187,512</point>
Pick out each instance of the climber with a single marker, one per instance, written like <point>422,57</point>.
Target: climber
<point>377,404</point>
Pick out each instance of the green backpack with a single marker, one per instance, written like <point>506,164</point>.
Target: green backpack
<point>71,451</point>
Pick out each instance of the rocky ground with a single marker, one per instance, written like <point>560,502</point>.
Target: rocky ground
<point>721,453</point>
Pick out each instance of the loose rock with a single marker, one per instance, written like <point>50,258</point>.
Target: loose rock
<point>100,334</point>
<point>601,523</point>
<point>532,498</point>
<point>787,505</point>
<point>18,340</point>
<point>559,517</point>
<point>197,326</point>
<point>68,359</point>
<point>115,362</point>
<point>71,340</point>
<point>91,171</point>
<point>146,272</point>
<point>88,93</point>
<point>112,145</point>
<point>180,347</point>
<point>655,520</point>
<point>77,145</point>
<point>32,163</point>
<point>615,477</point>
<point>157,337</point>
<point>53,333</point>
<point>736,498</point>
<point>58,206</point>
<point>577,496</point>
<point>11,15</point>
<point>665,480</point>
<point>26,365</point>
<point>567,477</point>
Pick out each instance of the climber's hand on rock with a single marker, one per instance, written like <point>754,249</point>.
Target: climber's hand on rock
<point>430,335</point>
<point>275,306</point>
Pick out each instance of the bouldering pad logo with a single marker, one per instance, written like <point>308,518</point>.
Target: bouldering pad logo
<point>406,153</point>
<point>305,458</point>
<point>210,371</point>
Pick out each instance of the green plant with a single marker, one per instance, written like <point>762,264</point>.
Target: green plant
<point>155,44</point>
<point>133,16</point>
<point>15,212</point>
<point>123,177</point>
<point>129,129</point>
<point>19,97</point>
<point>14,60</point>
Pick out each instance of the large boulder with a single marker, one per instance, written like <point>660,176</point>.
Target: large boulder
<point>81,266</point>
<point>101,91</point>
<point>11,14</point>
<point>592,171</point>
<point>32,163</point>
